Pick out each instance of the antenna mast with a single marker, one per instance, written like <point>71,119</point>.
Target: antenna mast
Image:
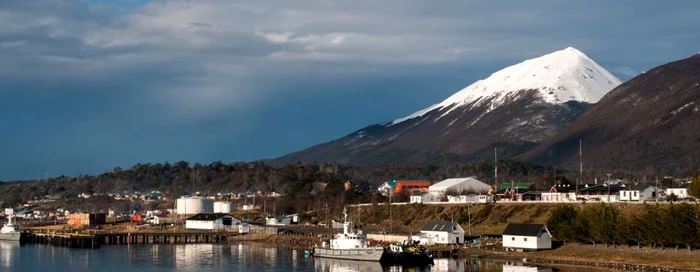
<point>495,169</point>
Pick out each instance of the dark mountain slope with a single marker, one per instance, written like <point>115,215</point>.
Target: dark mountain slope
<point>651,123</point>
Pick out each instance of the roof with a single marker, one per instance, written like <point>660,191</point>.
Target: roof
<point>448,183</point>
<point>207,216</point>
<point>523,229</point>
<point>519,185</point>
<point>438,226</point>
<point>413,183</point>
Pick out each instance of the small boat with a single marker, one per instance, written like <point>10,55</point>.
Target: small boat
<point>407,254</point>
<point>10,232</point>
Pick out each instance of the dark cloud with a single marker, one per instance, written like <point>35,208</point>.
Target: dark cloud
<point>87,86</point>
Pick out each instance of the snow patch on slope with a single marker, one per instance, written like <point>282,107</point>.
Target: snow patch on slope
<point>558,77</point>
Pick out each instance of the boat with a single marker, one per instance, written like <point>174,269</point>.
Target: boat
<point>408,253</point>
<point>10,232</point>
<point>349,245</point>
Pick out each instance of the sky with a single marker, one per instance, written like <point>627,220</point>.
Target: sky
<point>89,85</point>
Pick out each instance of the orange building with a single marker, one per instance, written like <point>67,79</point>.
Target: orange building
<point>411,186</point>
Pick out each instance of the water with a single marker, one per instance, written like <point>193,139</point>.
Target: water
<point>212,257</point>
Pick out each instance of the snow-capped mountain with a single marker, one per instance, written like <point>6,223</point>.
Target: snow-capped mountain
<point>513,109</point>
<point>558,77</point>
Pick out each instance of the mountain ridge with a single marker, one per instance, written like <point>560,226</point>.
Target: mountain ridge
<point>528,102</point>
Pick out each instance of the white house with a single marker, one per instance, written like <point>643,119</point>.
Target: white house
<point>679,192</point>
<point>459,185</point>
<point>244,228</point>
<point>441,233</point>
<point>629,195</point>
<point>424,198</point>
<point>212,221</point>
<point>526,237</point>
<point>278,221</point>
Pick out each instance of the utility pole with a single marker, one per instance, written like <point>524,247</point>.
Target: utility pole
<point>580,159</point>
<point>391,226</point>
<point>469,214</point>
<point>495,169</point>
<point>608,188</point>
<point>325,205</point>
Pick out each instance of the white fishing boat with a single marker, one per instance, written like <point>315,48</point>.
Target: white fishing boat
<point>349,245</point>
<point>10,232</point>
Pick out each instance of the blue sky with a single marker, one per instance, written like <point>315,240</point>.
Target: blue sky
<point>89,85</point>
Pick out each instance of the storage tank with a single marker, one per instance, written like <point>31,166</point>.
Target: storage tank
<point>193,205</point>
<point>224,207</point>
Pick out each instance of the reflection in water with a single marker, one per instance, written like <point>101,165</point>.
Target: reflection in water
<point>508,267</point>
<point>217,257</point>
<point>7,249</point>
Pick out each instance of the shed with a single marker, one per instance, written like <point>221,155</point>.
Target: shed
<point>527,237</point>
<point>278,221</point>
<point>212,221</point>
<point>440,232</point>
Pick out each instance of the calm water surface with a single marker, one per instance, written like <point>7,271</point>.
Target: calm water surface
<point>212,257</point>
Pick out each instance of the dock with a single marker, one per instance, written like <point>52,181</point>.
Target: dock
<point>95,240</point>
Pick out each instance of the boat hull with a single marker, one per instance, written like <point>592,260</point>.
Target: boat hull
<point>12,236</point>
<point>406,259</point>
<point>357,254</point>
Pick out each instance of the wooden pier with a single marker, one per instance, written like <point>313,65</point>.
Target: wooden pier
<point>79,240</point>
<point>71,240</point>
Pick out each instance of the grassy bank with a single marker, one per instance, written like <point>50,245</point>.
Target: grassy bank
<point>485,219</point>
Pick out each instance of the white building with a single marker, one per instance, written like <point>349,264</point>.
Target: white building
<point>459,185</point>
<point>425,198</point>
<point>248,207</point>
<point>470,199</point>
<point>440,233</point>
<point>629,195</point>
<point>212,221</point>
<point>681,193</point>
<point>278,221</point>
<point>244,228</point>
<point>527,237</point>
<point>162,220</point>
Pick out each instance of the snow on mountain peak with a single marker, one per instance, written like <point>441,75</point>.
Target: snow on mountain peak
<point>558,77</point>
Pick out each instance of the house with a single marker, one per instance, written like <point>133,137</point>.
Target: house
<point>425,198</point>
<point>681,192</point>
<point>244,228</point>
<point>459,186</point>
<point>278,221</point>
<point>561,193</point>
<point>526,237</point>
<point>441,233</point>
<point>602,193</point>
<point>212,221</point>
<point>386,187</point>
<point>629,195</point>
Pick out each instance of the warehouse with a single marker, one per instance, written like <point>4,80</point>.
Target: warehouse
<point>212,221</point>
<point>459,186</point>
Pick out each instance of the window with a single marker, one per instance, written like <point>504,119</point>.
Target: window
<point>512,239</point>
<point>525,239</point>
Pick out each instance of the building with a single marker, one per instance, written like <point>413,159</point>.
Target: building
<point>244,228</point>
<point>278,221</point>
<point>386,187</point>
<point>212,221</point>
<point>629,195</point>
<point>87,219</point>
<point>425,198</point>
<point>440,233</point>
<point>411,187</point>
<point>460,186</point>
<point>561,193</point>
<point>681,192</point>
<point>161,219</point>
<point>527,237</point>
<point>194,205</point>
<point>601,193</point>
<point>652,193</point>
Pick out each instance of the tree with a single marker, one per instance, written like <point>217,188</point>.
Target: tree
<point>694,187</point>
<point>561,223</point>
